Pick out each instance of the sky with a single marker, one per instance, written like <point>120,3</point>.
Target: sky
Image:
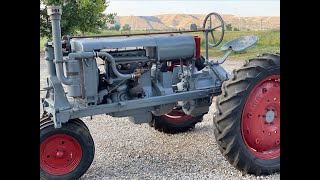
<point>155,7</point>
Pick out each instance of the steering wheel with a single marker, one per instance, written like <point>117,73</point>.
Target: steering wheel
<point>214,21</point>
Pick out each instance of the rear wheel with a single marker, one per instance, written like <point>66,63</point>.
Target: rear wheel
<point>247,120</point>
<point>66,152</point>
<point>174,122</point>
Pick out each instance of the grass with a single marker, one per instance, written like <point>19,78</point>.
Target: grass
<point>269,41</point>
<point>42,41</point>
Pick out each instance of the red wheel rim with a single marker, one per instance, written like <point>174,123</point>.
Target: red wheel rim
<point>176,116</point>
<point>60,154</point>
<point>260,123</point>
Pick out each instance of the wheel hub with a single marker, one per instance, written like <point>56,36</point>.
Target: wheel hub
<point>269,116</point>
<point>261,119</point>
<point>60,154</point>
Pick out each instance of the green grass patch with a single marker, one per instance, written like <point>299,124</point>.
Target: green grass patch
<point>269,41</point>
<point>42,41</point>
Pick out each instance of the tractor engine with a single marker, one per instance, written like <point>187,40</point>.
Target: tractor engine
<point>135,67</point>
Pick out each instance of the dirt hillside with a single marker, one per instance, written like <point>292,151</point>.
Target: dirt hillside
<point>183,21</point>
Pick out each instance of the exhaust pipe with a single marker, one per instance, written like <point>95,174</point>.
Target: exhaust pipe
<point>54,13</point>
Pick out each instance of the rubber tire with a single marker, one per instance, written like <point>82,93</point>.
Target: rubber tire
<point>80,122</point>
<point>161,124</point>
<point>227,118</point>
<point>85,140</point>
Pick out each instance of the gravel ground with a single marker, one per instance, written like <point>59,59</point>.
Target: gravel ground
<point>128,151</point>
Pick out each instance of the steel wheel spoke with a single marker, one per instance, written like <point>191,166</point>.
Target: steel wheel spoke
<point>214,39</point>
<point>216,27</point>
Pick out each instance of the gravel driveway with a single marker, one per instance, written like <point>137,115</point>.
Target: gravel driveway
<point>128,151</point>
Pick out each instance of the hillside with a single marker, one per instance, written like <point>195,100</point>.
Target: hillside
<point>183,21</point>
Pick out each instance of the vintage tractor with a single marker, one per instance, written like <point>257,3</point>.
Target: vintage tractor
<point>161,80</point>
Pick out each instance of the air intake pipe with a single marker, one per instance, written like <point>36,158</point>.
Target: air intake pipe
<point>54,13</point>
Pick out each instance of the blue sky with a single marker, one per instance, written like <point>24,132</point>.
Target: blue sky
<point>154,7</point>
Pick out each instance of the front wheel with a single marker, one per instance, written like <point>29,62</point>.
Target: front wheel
<point>247,120</point>
<point>66,152</point>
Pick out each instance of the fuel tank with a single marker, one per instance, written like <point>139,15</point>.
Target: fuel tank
<point>159,47</point>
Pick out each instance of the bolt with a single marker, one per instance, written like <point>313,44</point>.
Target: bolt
<point>249,115</point>
<point>269,134</point>
<point>257,141</point>
<point>128,65</point>
<point>148,63</point>
<point>60,154</point>
<point>119,66</point>
<point>275,132</point>
<point>264,90</point>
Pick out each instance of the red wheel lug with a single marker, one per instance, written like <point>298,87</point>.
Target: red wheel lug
<point>269,134</point>
<point>275,132</point>
<point>257,141</point>
<point>249,115</point>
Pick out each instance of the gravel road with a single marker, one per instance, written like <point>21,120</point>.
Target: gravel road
<point>128,151</point>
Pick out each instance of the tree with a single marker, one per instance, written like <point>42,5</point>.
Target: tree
<point>117,27</point>
<point>126,27</point>
<point>193,27</point>
<point>228,27</point>
<point>82,15</point>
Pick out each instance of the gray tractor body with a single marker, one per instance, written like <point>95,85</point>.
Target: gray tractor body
<point>130,81</point>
